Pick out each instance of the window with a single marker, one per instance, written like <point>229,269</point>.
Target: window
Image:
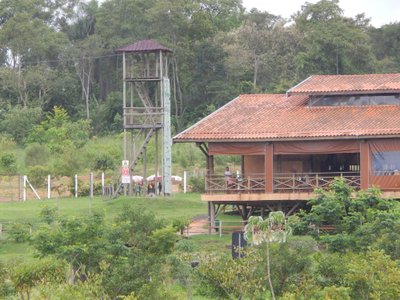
<point>355,100</point>
<point>386,163</point>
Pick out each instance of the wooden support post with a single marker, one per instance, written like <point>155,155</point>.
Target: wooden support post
<point>212,214</point>
<point>156,190</point>
<point>269,168</point>
<point>293,209</point>
<point>364,165</point>
<point>262,212</point>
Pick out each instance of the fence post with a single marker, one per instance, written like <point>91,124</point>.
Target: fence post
<point>220,228</point>
<point>24,186</point>
<point>1,230</point>
<point>102,183</point>
<point>48,186</point>
<point>76,185</point>
<point>184,182</point>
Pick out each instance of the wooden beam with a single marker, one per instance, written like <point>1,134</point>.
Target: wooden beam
<point>269,167</point>
<point>249,213</point>
<point>364,164</point>
<point>212,216</point>
<point>241,210</point>
<point>220,208</point>
<point>269,207</point>
<point>203,147</point>
<point>293,209</point>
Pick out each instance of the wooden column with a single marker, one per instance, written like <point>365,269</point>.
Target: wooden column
<point>211,209</point>
<point>364,164</point>
<point>210,165</point>
<point>269,168</point>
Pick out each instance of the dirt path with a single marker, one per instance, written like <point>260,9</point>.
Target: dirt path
<point>198,226</point>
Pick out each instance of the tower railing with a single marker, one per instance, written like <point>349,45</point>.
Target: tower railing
<point>143,117</point>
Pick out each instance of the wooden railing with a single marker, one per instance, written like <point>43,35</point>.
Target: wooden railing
<point>143,116</point>
<point>254,183</point>
<point>307,182</point>
<point>283,182</point>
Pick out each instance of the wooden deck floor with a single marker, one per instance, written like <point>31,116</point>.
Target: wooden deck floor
<point>248,197</point>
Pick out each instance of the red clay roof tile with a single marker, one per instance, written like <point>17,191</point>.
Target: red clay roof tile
<point>266,117</point>
<point>144,46</point>
<point>346,84</point>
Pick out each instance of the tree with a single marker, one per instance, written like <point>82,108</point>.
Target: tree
<point>261,51</point>
<point>18,122</point>
<point>58,132</point>
<point>332,43</point>
<point>385,43</point>
<point>271,229</point>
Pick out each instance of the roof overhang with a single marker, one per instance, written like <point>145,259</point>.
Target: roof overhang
<point>354,137</point>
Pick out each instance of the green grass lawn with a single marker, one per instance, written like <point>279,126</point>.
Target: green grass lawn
<point>178,205</point>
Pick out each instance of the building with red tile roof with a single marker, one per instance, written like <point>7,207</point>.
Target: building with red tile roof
<point>326,126</point>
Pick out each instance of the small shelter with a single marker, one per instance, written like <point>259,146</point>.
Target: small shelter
<point>325,127</point>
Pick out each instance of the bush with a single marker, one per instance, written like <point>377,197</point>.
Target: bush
<point>8,163</point>
<point>19,232</point>
<point>49,214</point>
<point>180,224</point>
<point>197,184</point>
<point>36,154</point>
<point>37,175</point>
<point>84,189</point>
<point>104,162</point>
<point>185,246</point>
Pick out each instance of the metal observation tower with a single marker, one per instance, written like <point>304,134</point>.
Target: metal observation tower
<point>146,111</point>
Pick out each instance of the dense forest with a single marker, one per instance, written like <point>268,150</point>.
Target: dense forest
<point>60,77</point>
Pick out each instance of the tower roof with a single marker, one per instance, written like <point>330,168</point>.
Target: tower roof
<point>144,46</point>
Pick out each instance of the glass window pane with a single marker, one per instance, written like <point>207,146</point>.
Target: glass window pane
<point>355,100</point>
<point>386,163</point>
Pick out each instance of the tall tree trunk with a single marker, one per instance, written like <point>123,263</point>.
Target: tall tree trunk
<point>255,70</point>
<point>271,287</point>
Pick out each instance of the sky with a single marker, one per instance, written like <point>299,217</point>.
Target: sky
<point>379,11</point>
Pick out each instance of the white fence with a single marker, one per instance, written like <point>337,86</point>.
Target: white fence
<point>22,188</point>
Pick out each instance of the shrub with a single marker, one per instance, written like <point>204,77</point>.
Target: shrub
<point>19,232</point>
<point>104,162</point>
<point>8,163</point>
<point>180,224</point>
<point>37,175</point>
<point>84,188</point>
<point>185,246</point>
<point>48,214</point>
<point>197,184</point>
<point>36,154</point>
